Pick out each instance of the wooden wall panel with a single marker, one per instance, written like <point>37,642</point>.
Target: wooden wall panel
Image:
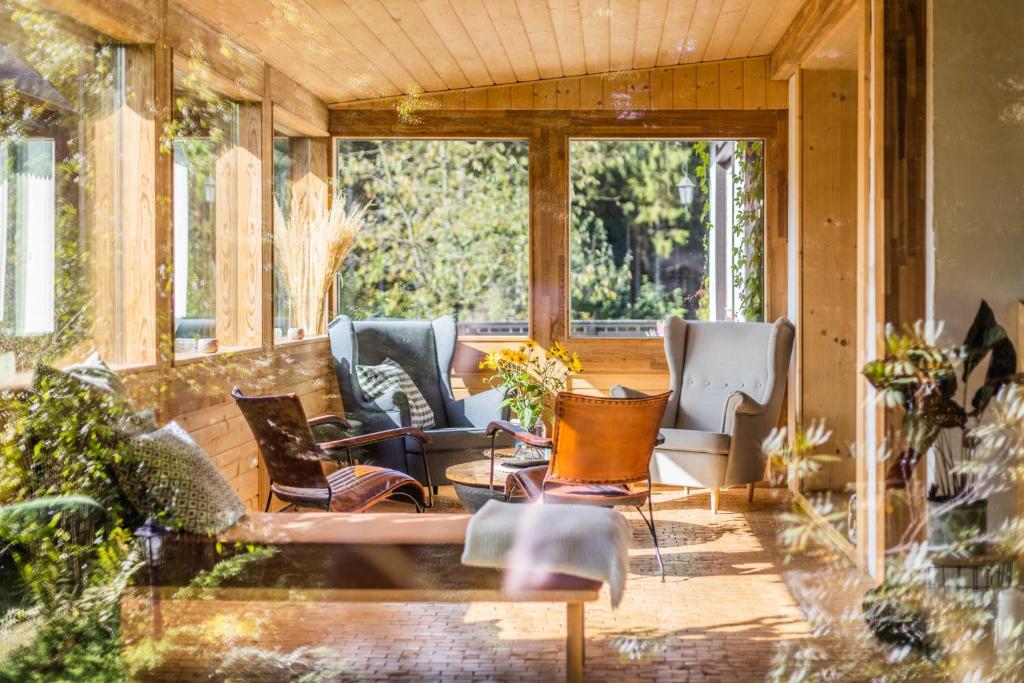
<point>731,84</point>
<point>828,262</point>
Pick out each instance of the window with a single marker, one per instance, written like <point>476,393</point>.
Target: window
<point>309,239</point>
<point>217,225</point>
<point>61,248</point>
<point>446,231</point>
<point>663,227</point>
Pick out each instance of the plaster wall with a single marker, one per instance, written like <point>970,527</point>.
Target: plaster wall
<point>976,196</point>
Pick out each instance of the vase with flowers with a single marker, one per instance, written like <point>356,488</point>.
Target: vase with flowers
<point>531,376</point>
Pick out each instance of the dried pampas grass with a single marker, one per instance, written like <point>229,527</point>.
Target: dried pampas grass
<point>311,242</point>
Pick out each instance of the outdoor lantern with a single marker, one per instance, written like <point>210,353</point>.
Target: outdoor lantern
<point>209,189</point>
<point>685,188</point>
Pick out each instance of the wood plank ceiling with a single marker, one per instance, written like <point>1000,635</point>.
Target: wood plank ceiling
<point>345,50</point>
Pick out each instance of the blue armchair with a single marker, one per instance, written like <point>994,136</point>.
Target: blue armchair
<point>425,350</point>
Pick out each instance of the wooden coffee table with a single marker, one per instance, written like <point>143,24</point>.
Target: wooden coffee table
<point>472,482</point>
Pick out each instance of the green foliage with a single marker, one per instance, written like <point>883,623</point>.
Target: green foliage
<point>635,251</point>
<point>748,229</point>
<point>447,230</point>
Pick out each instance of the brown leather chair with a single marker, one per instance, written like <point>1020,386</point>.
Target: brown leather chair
<point>599,446</point>
<point>294,458</point>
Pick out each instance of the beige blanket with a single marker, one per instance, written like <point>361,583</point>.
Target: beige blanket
<point>531,540</point>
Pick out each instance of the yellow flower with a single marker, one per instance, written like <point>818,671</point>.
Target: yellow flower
<point>529,343</point>
<point>558,351</point>
<point>490,362</point>
<point>575,366</point>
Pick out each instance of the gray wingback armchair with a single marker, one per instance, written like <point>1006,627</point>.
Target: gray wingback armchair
<point>727,380</point>
<point>425,350</point>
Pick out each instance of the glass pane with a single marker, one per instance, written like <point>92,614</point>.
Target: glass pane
<point>205,221</point>
<point>664,227</point>
<point>446,231</point>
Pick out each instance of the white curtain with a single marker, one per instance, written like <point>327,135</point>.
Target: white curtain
<point>36,213</point>
<point>180,238</point>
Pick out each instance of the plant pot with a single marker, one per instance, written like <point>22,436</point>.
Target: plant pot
<point>951,523</point>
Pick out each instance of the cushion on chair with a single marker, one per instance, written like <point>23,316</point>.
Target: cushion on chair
<point>692,440</point>
<point>689,468</point>
<point>388,377</point>
<point>531,479</point>
<point>456,439</point>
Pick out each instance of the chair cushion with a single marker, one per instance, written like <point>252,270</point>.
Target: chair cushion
<point>388,377</point>
<point>167,475</point>
<point>458,439</point>
<point>531,479</point>
<point>689,468</point>
<point>695,441</point>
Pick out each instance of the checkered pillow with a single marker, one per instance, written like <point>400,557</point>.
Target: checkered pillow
<point>378,380</point>
<point>167,475</point>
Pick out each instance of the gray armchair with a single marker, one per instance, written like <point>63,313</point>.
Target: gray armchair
<point>727,381</point>
<point>425,350</point>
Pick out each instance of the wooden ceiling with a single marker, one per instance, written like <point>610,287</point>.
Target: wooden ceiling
<point>345,50</point>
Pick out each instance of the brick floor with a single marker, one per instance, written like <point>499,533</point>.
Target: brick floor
<point>728,603</point>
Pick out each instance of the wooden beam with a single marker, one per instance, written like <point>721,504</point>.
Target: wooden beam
<point>296,107</point>
<point>203,53</point>
<point>163,175</point>
<point>126,21</point>
<point>267,197</point>
<point>810,27</point>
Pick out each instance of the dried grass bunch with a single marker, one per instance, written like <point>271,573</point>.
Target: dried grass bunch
<point>311,242</point>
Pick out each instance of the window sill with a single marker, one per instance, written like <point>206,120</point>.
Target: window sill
<point>285,343</point>
<point>193,357</point>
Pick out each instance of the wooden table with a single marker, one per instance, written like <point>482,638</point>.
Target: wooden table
<point>473,483</point>
<point>337,557</point>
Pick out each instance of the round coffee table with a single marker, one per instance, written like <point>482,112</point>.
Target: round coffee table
<point>472,482</point>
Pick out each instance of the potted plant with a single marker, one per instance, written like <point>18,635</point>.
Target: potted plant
<point>530,378</point>
<point>921,378</point>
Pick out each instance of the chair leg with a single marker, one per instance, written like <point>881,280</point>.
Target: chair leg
<point>411,499</point>
<point>715,493</point>
<point>270,496</point>
<point>750,493</point>
<point>650,527</point>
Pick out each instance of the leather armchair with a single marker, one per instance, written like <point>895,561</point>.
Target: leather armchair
<point>425,349</point>
<point>728,380</point>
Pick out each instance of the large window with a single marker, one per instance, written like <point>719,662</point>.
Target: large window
<point>446,231</point>
<point>62,97</point>
<point>664,227</point>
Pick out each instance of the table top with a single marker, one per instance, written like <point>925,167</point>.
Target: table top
<point>477,473</point>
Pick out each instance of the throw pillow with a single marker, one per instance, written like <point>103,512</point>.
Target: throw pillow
<point>94,372</point>
<point>168,476</point>
<point>378,380</point>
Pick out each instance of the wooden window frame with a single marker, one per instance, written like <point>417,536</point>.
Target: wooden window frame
<point>548,133</point>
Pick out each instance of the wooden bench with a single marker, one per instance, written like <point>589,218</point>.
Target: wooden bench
<point>370,557</point>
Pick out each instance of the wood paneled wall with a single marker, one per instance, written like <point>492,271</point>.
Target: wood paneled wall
<point>731,84</point>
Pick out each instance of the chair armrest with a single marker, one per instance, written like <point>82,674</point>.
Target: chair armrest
<point>619,391</point>
<point>376,437</point>
<point>739,403</point>
<point>518,433</point>
<point>329,419</point>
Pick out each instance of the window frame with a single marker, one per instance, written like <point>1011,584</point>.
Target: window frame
<point>549,132</point>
